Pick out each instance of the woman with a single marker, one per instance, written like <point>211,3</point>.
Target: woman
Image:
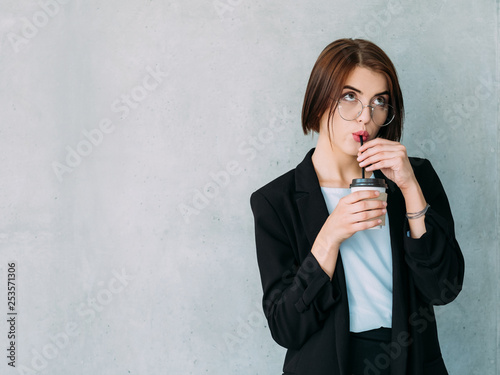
<point>341,298</point>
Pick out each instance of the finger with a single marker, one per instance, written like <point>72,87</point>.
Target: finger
<point>379,149</point>
<point>369,214</point>
<point>381,165</point>
<point>396,163</point>
<point>360,195</point>
<point>394,157</point>
<point>363,225</point>
<point>393,164</point>
<point>371,159</point>
<point>368,205</point>
<point>377,142</point>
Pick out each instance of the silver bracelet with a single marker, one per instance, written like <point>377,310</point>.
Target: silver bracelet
<point>416,215</point>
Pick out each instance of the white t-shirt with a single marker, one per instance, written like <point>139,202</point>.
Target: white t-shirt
<point>367,260</point>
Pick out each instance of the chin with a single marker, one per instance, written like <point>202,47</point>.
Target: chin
<point>350,151</point>
<point>347,148</point>
<point>353,149</point>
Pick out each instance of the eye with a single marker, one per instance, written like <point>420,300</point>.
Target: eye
<point>349,97</point>
<point>379,101</point>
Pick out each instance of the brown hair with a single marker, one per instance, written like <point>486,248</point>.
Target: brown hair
<point>328,77</point>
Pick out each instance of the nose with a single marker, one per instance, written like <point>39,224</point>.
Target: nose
<point>365,116</point>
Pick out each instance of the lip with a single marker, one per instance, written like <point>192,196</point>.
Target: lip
<point>361,133</point>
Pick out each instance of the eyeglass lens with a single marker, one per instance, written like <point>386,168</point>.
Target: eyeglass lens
<point>351,109</point>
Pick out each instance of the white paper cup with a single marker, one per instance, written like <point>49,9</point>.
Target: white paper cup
<point>377,184</point>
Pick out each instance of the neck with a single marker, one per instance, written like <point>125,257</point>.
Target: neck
<point>333,167</point>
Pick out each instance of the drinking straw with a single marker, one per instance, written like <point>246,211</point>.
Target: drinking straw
<point>363,168</point>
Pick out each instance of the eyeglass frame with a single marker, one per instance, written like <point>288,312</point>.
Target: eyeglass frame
<point>371,112</point>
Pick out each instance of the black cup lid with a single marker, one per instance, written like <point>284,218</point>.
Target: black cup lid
<point>368,182</point>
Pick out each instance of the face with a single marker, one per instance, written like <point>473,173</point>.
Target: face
<point>370,88</point>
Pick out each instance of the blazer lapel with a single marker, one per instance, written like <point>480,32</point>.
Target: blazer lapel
<point>310,202</point>
<point>313,214</point>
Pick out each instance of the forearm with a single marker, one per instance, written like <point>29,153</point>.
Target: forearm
<point>296,306</point>
<point>326,254</point>
<point>415,202</point>
<point>298,294</point>
<point>435,260</point>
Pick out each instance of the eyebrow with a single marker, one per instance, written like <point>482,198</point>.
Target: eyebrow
<point>359,91</point>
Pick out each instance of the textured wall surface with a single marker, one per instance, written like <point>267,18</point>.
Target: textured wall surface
<point>133,133</point>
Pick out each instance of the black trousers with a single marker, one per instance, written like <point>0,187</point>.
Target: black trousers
<point>368,352</point>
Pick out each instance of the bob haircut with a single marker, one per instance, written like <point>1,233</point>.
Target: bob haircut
<point>330,73</point>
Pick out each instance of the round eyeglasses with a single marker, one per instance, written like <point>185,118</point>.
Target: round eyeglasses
<point>381,113</point>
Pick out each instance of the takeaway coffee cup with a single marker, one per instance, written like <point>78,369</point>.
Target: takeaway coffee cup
<point>377,184</point>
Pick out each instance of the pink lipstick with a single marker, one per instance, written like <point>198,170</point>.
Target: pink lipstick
<point>362,133</point>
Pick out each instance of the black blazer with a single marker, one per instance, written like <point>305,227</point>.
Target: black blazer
<point>309,315</point>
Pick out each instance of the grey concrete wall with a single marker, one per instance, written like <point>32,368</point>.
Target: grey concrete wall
<point>133,132</point>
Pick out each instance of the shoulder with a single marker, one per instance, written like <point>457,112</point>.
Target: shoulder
<point>419,163</point>
<point>283,190</point>
<point>426,175</point>
<point>277,190</point>
<point>422,167</point>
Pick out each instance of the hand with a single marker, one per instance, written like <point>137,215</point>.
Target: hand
<point>390,158</point>
<point>352,214</point>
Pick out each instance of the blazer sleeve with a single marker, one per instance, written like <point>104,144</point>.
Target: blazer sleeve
<point>297,297</point>
<point>435,260</point>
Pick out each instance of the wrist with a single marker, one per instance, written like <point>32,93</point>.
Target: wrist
<point>417,215</point>
<point>415,205</point>
<point>411,187</point>
<point>325,245</point>
<point>326,254</point>
<point>414,198</point>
